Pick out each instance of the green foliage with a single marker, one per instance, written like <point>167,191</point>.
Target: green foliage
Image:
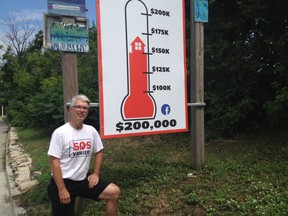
<point>244,177</point>
<point>245,72</point>
<point>192,198</point>
<point>36,43</point>
<point>276,109</point>
<point>32,91</point>
<point>47,103</point>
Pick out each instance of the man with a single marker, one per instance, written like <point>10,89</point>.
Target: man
<point>71,147</point>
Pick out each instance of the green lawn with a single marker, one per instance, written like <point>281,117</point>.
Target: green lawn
<point>244,176</point>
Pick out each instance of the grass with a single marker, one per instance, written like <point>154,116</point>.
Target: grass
<point>246,176</point>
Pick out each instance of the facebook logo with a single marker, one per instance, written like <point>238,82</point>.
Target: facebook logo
<point>165,109</point>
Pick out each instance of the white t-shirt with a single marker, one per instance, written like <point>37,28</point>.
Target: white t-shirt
<point>74,148</point>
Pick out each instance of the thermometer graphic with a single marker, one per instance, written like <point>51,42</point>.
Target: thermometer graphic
<point>138,103</point>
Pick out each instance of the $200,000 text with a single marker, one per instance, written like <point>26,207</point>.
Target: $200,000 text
<point>146,125</point>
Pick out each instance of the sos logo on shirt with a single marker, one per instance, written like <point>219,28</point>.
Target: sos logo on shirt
<point>80,148</point>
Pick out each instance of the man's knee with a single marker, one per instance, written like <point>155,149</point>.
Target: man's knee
<point>115,191</point>
<point>112,191</point>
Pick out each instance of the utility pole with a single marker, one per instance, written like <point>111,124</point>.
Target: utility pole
<point>197,89</point>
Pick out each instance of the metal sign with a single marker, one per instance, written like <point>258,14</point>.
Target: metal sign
<point>75,8</point>
<point>142,67</point>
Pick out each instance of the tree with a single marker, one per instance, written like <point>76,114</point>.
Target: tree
<point>36,86</point>
<point>245,45</point>
<point>19,32</point>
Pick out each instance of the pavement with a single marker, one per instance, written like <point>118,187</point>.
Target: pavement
<point>6,201</point>
<point>8,207</point>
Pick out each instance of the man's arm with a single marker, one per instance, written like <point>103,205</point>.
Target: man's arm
<point>63,193</point>
<point>94,177</point>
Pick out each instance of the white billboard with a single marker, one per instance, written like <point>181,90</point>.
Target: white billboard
<point>142,67</point>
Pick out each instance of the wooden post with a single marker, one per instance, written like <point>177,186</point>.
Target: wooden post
<point>197,90</point>
<point>70,79</point>
<point>69,73</point>
<point>70,89</point>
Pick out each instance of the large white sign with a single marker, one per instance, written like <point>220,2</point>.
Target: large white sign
<point>142,67</point>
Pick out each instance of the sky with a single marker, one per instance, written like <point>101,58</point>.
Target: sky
<point>34,9</point>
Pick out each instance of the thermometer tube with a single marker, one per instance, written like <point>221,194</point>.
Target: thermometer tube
<point>138,103</point>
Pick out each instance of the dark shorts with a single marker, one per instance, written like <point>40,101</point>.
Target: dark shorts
<point>76,189</point>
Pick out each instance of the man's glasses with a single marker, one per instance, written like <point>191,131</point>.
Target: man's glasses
<point>77,107</point>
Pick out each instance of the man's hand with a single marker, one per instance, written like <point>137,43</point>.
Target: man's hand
<point>64,196</point>
<point>93,180</point>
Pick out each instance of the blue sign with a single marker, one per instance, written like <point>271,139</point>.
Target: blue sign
<point>74,8</point>
<point>201,10</point>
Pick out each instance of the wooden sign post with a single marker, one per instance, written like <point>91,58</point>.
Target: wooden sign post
<point>197,90</point>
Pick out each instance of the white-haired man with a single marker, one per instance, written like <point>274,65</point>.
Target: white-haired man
<point>71,147</point>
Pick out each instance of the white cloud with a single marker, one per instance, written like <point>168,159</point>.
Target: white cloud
<point>36,15</point>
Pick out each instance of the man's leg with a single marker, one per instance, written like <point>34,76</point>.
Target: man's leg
<point>111,195</point>
<point>106,191</point>
<point>59,209</point>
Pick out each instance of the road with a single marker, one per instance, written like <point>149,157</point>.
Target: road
<point>6,203</point>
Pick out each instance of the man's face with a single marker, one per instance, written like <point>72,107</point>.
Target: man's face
<point>80,110</point>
